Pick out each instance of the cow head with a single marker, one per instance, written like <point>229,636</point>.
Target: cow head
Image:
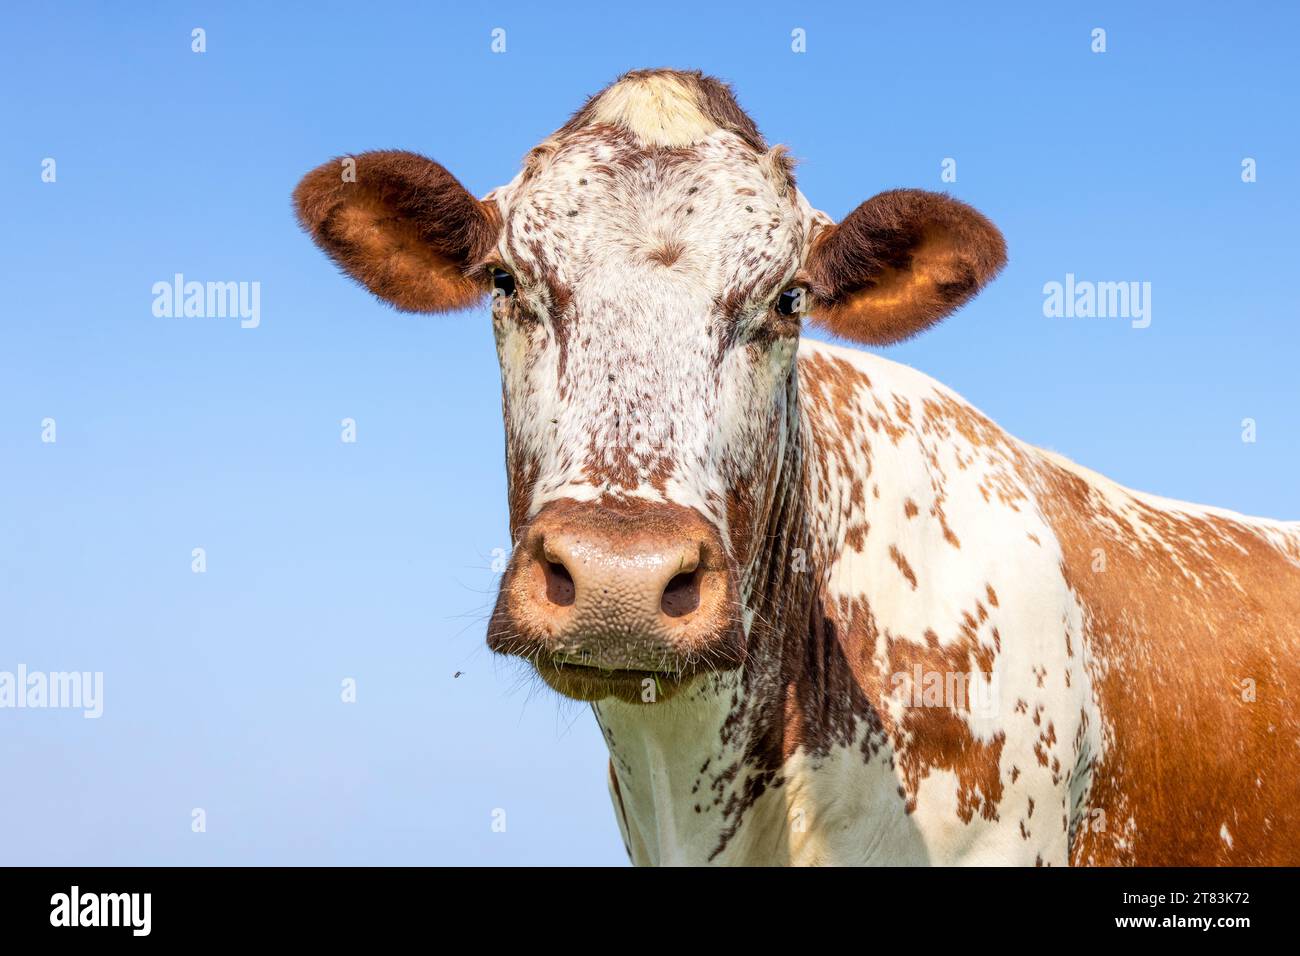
<point>649,268</point>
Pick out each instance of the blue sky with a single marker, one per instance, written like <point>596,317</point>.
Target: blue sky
<point>372,560</point>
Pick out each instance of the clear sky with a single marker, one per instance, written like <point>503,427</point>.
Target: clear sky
<point>372,560</point>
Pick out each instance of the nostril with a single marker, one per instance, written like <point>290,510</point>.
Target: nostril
<point>682,595</point>
<point>560,588</point>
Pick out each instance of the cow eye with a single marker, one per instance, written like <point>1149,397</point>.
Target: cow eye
<point>502,282</point>
<point>791,301</point>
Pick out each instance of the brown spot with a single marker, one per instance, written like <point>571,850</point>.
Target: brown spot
<point>903,566</point>
<point>1189,607</point>
<point>666,254</point>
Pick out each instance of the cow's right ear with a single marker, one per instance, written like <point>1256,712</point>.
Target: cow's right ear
<point>402,226</point>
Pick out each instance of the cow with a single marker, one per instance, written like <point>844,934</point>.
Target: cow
<point>824,610</point>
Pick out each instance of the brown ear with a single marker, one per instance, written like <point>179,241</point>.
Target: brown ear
<point>401,225</point>
<point>899,263</point>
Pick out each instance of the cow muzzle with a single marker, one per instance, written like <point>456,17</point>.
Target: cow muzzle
<point>629,600</point>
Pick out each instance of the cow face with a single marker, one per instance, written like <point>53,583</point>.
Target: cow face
<point>648,270</point>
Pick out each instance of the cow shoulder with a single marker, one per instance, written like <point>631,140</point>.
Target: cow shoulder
<point>943,580</point>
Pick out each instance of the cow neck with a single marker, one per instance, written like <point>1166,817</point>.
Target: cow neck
<point>668,758</point>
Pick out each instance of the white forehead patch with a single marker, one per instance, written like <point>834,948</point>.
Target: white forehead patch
<point>659,110</point>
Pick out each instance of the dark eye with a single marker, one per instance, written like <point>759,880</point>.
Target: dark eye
<point>790,302</point>
<point>502,282</point>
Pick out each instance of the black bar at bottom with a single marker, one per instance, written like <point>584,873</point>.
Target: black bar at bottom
<point>207,905</point>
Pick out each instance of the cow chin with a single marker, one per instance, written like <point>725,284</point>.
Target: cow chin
<point>625,599</point>
<point>629,686</point>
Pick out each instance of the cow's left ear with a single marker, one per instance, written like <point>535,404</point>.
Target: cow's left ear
<point>899,263</point>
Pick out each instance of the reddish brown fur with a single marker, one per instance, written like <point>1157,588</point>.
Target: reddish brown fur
<point>1182,615</point>
<point>406,228</point>
<point>899,263</point>
<point>667,254</point>
<point>1180,656</point>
